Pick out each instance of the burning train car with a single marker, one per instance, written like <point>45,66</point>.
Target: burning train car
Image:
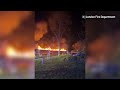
<point>39,52</point>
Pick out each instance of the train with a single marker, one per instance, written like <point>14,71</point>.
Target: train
<point>39,53</point>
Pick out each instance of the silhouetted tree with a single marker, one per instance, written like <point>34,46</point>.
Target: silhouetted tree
<point>59,23</point>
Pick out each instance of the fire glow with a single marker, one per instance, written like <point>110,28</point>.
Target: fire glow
<point>12,53</point>
<point>39,48</point>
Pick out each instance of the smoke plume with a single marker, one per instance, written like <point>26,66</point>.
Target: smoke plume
<point>41,29</point>
<point>10,20</point>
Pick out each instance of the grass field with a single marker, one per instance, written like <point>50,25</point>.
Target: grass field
<point>60,68</point>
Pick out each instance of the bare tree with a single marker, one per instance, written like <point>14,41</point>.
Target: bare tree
<point>59,22</point>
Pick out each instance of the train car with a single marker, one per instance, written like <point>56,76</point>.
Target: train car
<point>39,53</point>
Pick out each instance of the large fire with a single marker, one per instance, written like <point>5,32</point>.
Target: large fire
<point>40,48</point>
<point>13,53</point>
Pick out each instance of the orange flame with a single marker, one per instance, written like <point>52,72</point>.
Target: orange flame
<point>12,53</point>
<point>40,48</point>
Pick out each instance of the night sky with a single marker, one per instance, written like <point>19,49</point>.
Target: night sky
<point>93,28</point>
<point>77,25</point>
<point>76,18</point>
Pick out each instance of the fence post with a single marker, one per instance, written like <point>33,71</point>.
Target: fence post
<point>42,60</point>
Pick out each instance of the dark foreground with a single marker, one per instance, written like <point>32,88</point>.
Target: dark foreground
<point>17,68</point>
<point>63,67</point>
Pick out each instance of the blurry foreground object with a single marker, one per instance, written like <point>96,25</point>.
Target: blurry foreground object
<point>16,45</point>
<point>103,59</point>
